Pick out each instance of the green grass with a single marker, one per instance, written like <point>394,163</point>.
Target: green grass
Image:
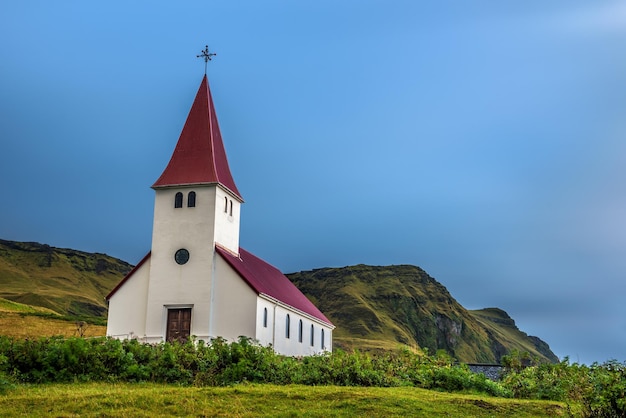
<point>149,400</point>
<point>19,320</point>
<point>65,281</point>
<point>10,306</point>
<point>27,325</point>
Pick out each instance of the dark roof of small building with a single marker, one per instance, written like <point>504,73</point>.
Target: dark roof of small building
<point>267,279</point>
<point>199,156</point>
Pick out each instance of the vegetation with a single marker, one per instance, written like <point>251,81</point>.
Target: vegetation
<point>374,308</point>
<point>507,338</point>
<point>597,390</point>
<point>47,291</point>
<point>63,281</point>
<point>252,400</point>
<point>382,307</point>
<point>21,321</point>
<point>54,360</point>
<point>600,388</point>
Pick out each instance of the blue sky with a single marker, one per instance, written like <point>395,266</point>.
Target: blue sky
<point>484,141</point>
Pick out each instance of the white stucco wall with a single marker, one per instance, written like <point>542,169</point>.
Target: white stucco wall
<point>227,220</point>
<point>275,334</point>
<point>187,285</point>
<point>265,334</point>
<point>234,304</point>
<point>127,307</point>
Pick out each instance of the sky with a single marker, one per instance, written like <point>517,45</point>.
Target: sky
<point>484,141</point>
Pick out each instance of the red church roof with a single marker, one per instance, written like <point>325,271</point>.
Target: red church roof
<point>267,279</point>
<point>261,276</point>
<point>199,156</point>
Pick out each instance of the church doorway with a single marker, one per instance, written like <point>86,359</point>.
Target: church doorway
<point>178,324</point>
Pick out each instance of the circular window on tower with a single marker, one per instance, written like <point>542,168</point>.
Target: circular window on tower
<point>181,256</point>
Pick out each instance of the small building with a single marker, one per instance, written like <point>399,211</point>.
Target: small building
<point>196,280</point>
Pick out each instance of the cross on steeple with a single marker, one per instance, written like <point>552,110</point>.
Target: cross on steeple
<point>206,55</point>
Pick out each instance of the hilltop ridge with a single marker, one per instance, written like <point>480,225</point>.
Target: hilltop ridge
<point>66,281</point>
<point>377,307</point>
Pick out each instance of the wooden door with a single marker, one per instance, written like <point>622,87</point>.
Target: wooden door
<point>178,324</point>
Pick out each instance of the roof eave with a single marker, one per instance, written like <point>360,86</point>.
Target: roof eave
<point>128,276</point>
<point>298,311</point>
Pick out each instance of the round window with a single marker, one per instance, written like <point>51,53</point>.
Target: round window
<point>181,256</point>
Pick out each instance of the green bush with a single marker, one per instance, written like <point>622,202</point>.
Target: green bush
<point>608,395</point>
<point>5,383</point>
<point>601,389</point>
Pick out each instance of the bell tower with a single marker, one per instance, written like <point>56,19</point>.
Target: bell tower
<point>197,206</point>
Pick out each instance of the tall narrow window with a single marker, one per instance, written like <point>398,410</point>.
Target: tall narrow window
<point>264,317</point>
<point>300,331</point>
<point>287,324</point>
<point>231,208</point>
<point>178,200</point>
<point>323,345</point>
<point>191,200</point>
<point>225,205</point>
<point>312,335</point>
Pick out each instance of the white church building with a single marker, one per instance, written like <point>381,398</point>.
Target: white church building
<point>196,280</point>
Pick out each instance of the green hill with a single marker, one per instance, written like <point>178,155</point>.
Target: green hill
<point>383,307</point>
<point>67,282</point>
<point>373,308</point>
<point>505,335</point>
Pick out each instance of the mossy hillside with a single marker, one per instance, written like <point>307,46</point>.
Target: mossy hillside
<point>65,281</point>
<point>403,305</point>
<point>505,334</point>
<point>21,321</point>
<point>374,308</point>
<point>15,307</point>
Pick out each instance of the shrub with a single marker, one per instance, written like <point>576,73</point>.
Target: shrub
<point>5,383</point>
<point>608,397</point>
<point>600,388</point>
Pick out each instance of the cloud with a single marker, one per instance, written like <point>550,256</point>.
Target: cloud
<point>593,18</point>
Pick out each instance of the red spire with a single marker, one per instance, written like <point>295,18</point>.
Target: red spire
<point>199,157</point>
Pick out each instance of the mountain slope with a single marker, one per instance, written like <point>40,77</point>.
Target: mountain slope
<point>379,307</point>
<point>505,335</point>
<point>68,282</point>
<point>372,307</point>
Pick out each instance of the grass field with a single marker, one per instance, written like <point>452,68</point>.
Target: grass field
<point>19,325</point>
<point>19,320</point>
<point>149,400</point>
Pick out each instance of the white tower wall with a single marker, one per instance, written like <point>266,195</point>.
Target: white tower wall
<point>195,229</point>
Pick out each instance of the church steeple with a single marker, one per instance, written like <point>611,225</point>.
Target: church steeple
<point>199,157</point>
<point>196,280</point>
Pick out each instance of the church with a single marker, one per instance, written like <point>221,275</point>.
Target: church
<point>196,280</point>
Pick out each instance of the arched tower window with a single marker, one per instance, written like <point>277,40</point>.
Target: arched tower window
<point>264,317</point>
<point>287,324</point>
<point>323,345</point>
<point>312,335</point>
<point>300,331</point>
<point>231,208</point>
<point>191,200</point>
<point>178,200</point>
<point>225,205</point>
